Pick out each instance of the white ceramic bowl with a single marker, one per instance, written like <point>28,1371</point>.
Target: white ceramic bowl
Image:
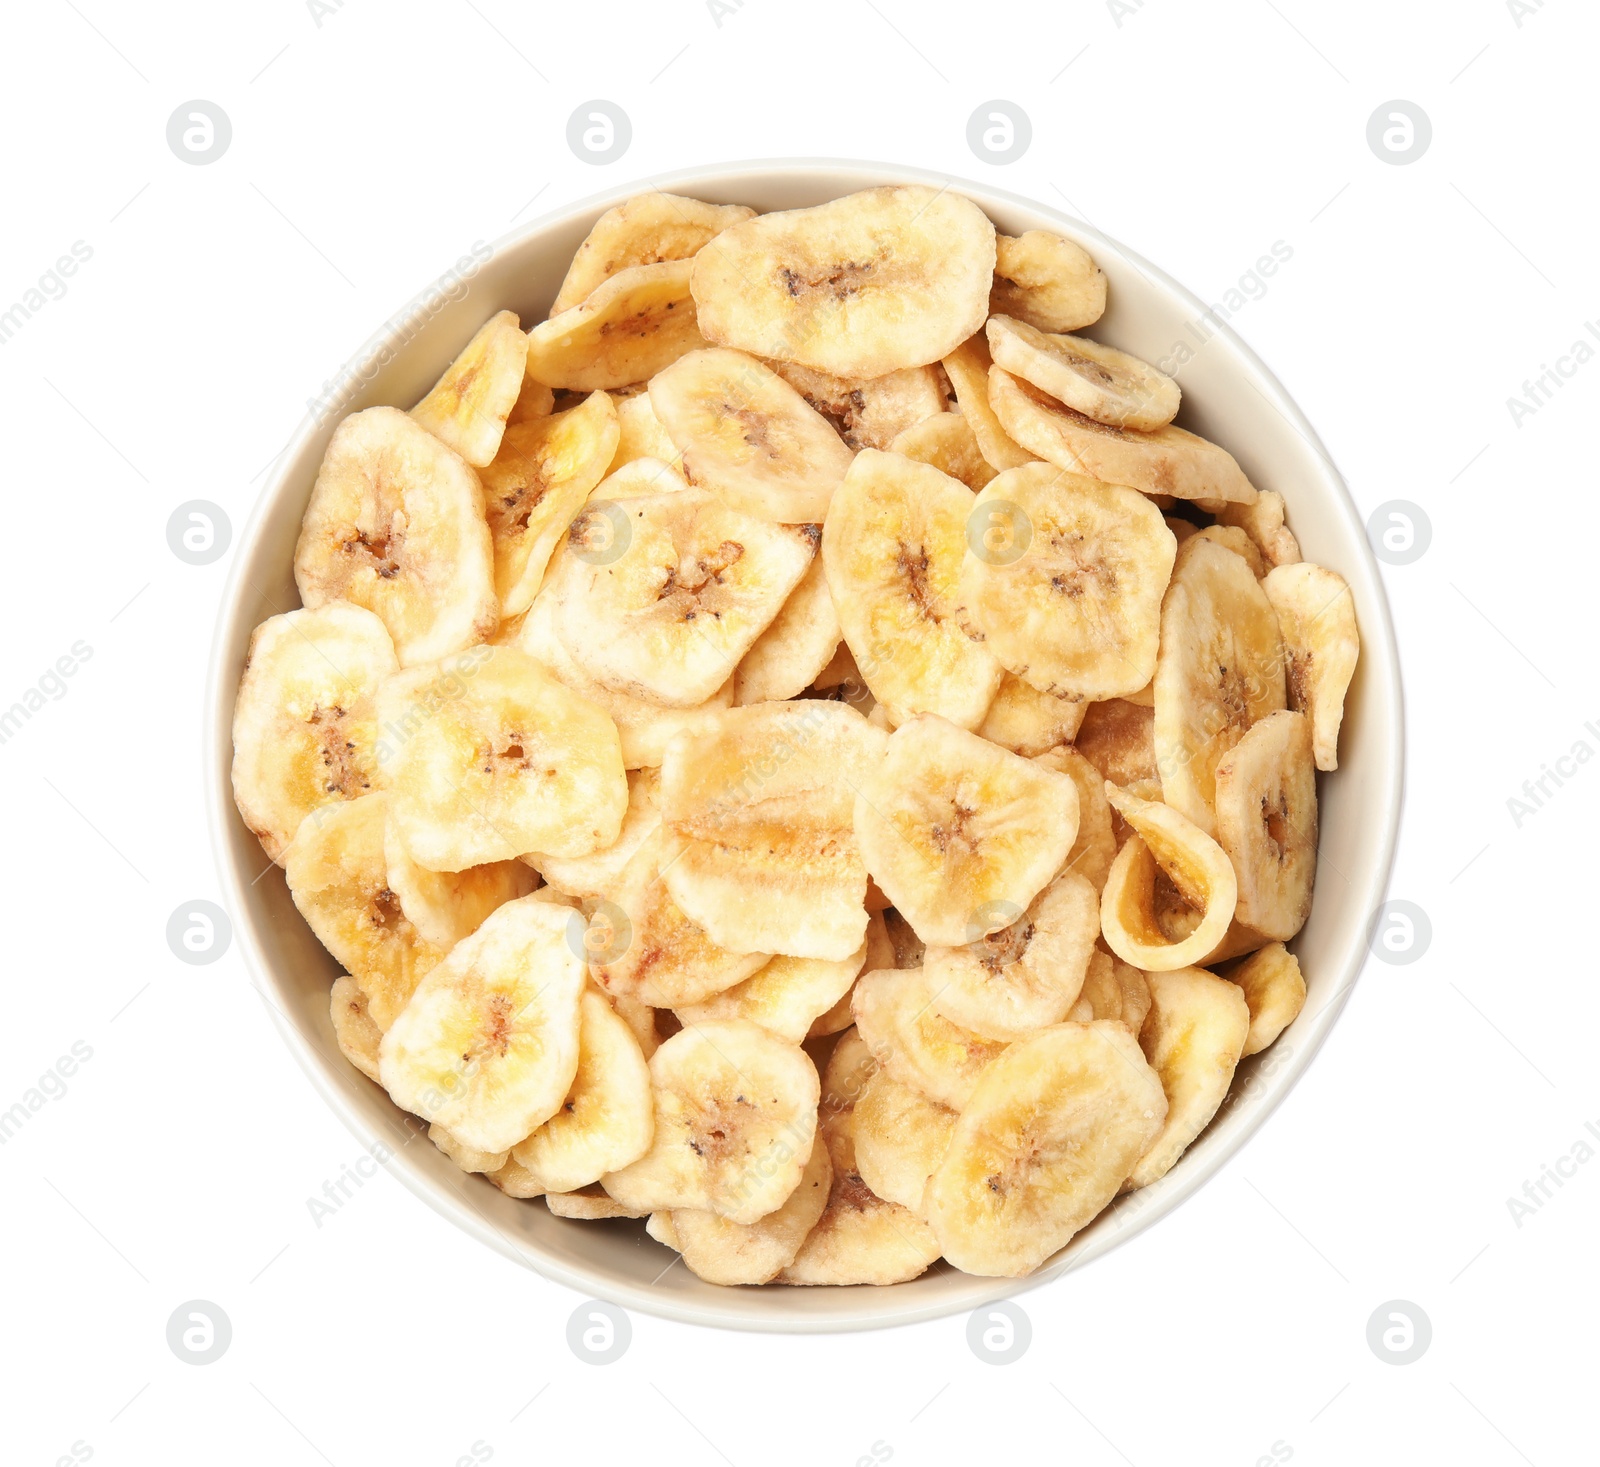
<point>1228,395</point>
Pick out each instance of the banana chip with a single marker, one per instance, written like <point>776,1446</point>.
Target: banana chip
<point>1098,381</point>
<point>1166,461</point>
<point>644,230</point>
<point>968,367</point>
<point>1029,722</point>
<point>892,549</point>
<point>357,1036</point>
<point>305,725</point>
<point>467,407</point>
<point>795,649</point>
<point>588,1204</point>
<point>900,1138</point>
<point>1262,520</point>
<point>1274,989</point>
<point>868,412</point>
<point>464,1156</point>
<point>946,441</point>
<point>1095,846</point>
<point>1117,737</point>
<point>863,286</point>
<point>1049,282</point>
<point>600,873</point>
<point>445,906</point>
<point>396,524</point>
<point>640,435</point>
<point>913,1042</point>
<point>1317,618</point>
<point>786,996</point>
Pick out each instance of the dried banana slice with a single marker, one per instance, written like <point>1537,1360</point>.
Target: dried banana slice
<point>1047,281</point>
<point>645,728</point>
<point>445,906</point>
<point>947,442</point>
<point>909,949</point>
<point>357,1036</point>
<point>735,1116</point>
<point>785,996</point>
<point>786,658</point>
<point>640,435</point>
<point>1029,722</point>
<point>861,286</point>
<point>1117,736</point>
<point>1193,1037</point>
<point>1167,859</point>
<point>1067,587</point>
<point>1317,619</point>
<point>1262,520</point>
<point>464,1156</point>
<point>1220,670</point>
<point>661,597</point>
<point>600,874</point>
<point>489,756</point>
<point>535,400</point>
<point>1274,989</point>
<point>1101,994</point>
<point>748,435</point>
<point>879,953</point>
<point>1095,846</point>
<point>913,1042</point>
<point>515,1182</point>
<point>1168,461</point>
<point>961,834</point>
<point>900,1138</point>
<point>626,330</point>
<point>488,1045</point>
<point>467,407</point>
<point>339,880</point>
<point>893,548</point>
<point>968,368</point>
<point>844,1077</point>
<point>1235,540</point>
<point>537,483</point>
<point>723,1252</point>
<point>1098,381</point>
<point>305,720</point>
<point>1049,1134</point>
<point>1024,976</point>
<point>396,524</point>
<point>608,1117</point>
<point>860,1238</point>
<point>868,412</point>
<point>763,800</point>
<point>1266,807</point>
<point>643,946</point>
<point>587,1204</point>
<point>643,230</point>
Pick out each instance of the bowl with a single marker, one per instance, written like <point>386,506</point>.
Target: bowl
<point>1228,395</point>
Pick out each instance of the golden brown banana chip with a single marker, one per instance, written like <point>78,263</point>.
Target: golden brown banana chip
<point>946,441</point>
<point>1317,618</point>
<point>1029,722</point>
<point>1274,989</point>
<point>968,368</point>
<point>467,407</point>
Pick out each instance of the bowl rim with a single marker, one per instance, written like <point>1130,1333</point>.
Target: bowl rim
<point>1379,650</point>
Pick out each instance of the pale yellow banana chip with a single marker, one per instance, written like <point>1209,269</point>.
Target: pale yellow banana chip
<point>1047,281</point>
<point>763,801</point>
<point>1029,722</point>
<point>1065,580</point>
<point>338,877</point>
<point>1274,990</point>
<point>892,547</point>
<point>487,1047</point>
<point>947,442</point>
<point>466,1157</point>
<point>600,874</point>
<point>868,412</point>
<point>900,1138</point>
<point>1168,858</point>
<point>748,435</point>
<point>968,367</point>
<point>1113,990</point>
<point>1095,846</point>
<point>1317,619</point>
<point>1169,460</point>
<point>643,230</point>
<point>845,1076</point>
<point>305,719</point>
<point>626,330</point>
<point>358,1037</point>
<point>1193,1037</point>
<point>960,833</point>
<point>661,597</point>
<point>640,435</point>
<point>1262,520</point>
<point>1025,976</point>
<point>1117,736</point>
<point>608,1117</point>
<point>735,1116</point>
<point>488,757</point>
<point>879,953</point>
<point>1221,669</point>
<point>1266,808</point>
<point>514,1181</point>
<point>588,1204</point>
<point>785,996</point>
<point>1235,540</point>
<point>445,906</point>
<point>1096,380</point>
<point>537,483</point>
<point>396,524</point>
<point>1045,1141</point>
<point>913,1042</point>
<point>535,400</point>
<point>794,650</point>
<point>861,286</point>
<point>467,407</point>
<point>724,1252</point>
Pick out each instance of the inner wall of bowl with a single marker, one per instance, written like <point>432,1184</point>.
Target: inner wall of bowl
<point>1228,396</point>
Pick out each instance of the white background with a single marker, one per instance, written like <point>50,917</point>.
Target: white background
<point>368,153</point>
